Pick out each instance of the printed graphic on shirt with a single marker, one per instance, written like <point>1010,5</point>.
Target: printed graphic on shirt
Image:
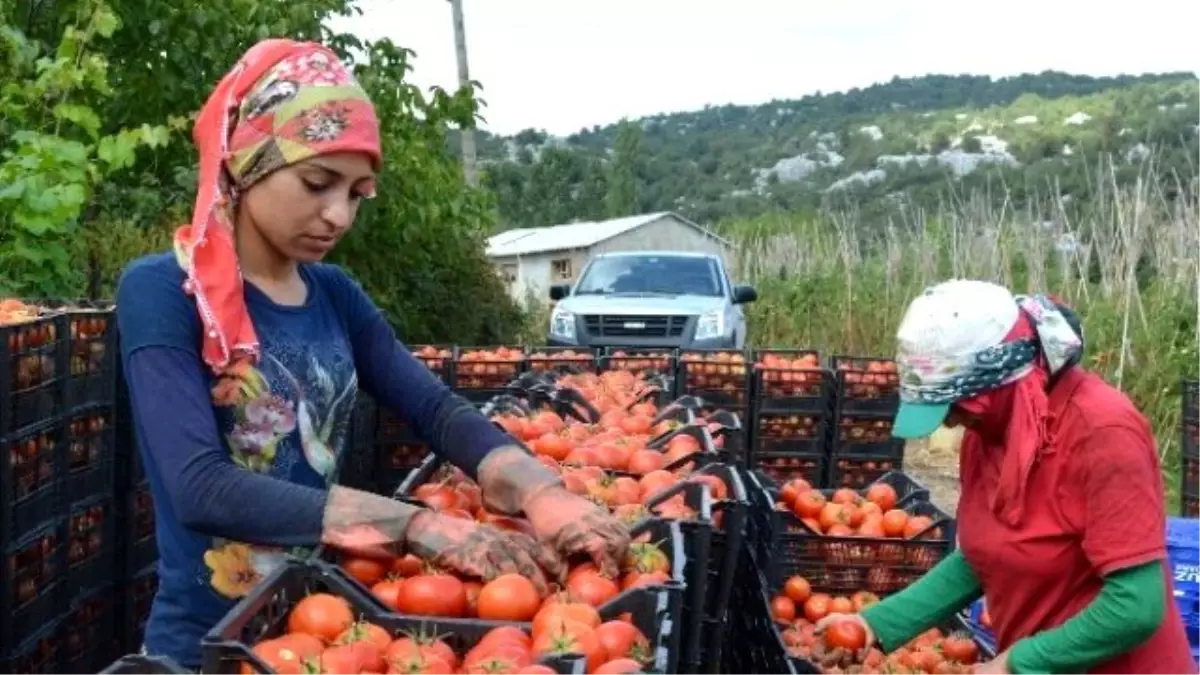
<point>278,418</point>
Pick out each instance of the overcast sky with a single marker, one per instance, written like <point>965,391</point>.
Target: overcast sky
<point>561,65</point>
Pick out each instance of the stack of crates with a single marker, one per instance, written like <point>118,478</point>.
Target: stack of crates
<point>59,596</point>
<point>791,416</point>
<point>722,380</point>
<point>1189,456</point>
<point>867,397</point>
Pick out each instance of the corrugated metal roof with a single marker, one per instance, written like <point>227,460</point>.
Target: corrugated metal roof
<point>530,240</point>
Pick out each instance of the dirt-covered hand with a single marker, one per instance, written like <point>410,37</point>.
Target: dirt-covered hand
<point>572,526</point>
<point>481,550</point>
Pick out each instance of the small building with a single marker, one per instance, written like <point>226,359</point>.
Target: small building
<point>532,259</point>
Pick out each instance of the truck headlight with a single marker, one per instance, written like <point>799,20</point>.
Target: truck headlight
<point>711,325</point>
<point>562,324</point>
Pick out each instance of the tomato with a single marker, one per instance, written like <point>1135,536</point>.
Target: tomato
<point>418,664</point>
<point>277,656</point>
<point>655,482</point>
<point>817,606</point>
<point>841,605</point>
<point>961,648</point>
<point>321,615</point>
<point>433,595</point>
<point>916,525</point>
<point>340,659</point>
<point>306,646</point>
<point>509,597</point>
<point>367,571</point>
<point>505,634</point>
<point>388,592</point>
<point>436,496</point>
<point>647,557</point>
<point>926,659</point>
<point>408,566</point>
<point>863,599</point>
<point>718,488</point>
<point>621,639</point>
<point>845,496</point>
<point>420,646</point>
<point>847,634</point>
<point>797,588</point>
<point>783,609</point>
<point>809,505</point>
<point>558,611</point>
<point>642,462</point>
<point>882,495</point>
<point>588,585</point>
<point>634,579</point>
<point>364,631</point>
<point>793,489</point>
<point>894,522</point>
<point>571,637</point>
<point>832,514</point>
<point>618,667</point>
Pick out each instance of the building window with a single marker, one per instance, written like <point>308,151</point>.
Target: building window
<point>561,270</point>
<point>508,273</point>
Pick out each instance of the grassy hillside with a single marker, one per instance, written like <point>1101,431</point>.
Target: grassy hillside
<point>907,142</point>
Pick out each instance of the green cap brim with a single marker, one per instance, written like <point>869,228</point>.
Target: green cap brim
<point>918,420</point>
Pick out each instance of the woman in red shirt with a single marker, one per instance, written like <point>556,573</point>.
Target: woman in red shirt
<point>1061,523</point>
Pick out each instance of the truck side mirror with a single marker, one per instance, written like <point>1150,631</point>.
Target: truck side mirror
<point>744,294</point>
<point>559,291</point>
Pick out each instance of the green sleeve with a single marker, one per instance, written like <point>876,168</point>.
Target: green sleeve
<point>1126,613</point>
<point>946,589</point>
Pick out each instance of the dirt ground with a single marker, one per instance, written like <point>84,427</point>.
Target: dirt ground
<point>934,462</point>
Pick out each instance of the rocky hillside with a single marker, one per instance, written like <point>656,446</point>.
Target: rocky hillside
<point>909,140</point>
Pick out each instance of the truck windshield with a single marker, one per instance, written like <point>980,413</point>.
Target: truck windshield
<point>669,275</point>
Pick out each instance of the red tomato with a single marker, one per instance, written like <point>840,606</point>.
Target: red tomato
<point>621,639</point>
<point>588,585</point>
<point>388,592</point>
<point>509,597</point>
<point>367,571</point>
<point>433,595</point>
<point>783,609</point>
<point>847,634</point>
<point>321,615</point>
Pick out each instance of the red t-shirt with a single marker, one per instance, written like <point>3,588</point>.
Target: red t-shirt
<point>1094,505</point>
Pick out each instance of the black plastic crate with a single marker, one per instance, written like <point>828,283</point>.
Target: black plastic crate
<point>729,434</point>
<point>1190,507</point>
<point>1190,446</point>
<point>31,478</point>
<point>1191,400</point>
<point>647,361</point>
<point>38,654</point>
<point>812,466</point>
<point>89,639</point>
<point>844,565</point>
<point>751,633</point>
<point>791,380</point>
<point>697,540</point>
<point>263,614</point>
<point>864,434</point>
<point>91,455</point>
<point>486,371</point>
<point>141,664</point>
<point>32,582</point>
<point>908,489</point>
<point>397,450</point>
<point>439,359</point>
<point>760,515</point>
<point>545,359</point>
<point>137,597</point>
<point>866,384</point>
<point>729,528</point>
<point>91,545</point>
<point>138,537</point>
<point>790,432</point>
<point>92,353</point>
<point>719,376</point>
<point>1190,476</point>
<point>32,371</point>
<point>858,469</point>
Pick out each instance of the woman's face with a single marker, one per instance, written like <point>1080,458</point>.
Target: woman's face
<point>303,210</point>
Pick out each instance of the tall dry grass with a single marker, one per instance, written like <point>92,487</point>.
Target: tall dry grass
<point>1128,261</point>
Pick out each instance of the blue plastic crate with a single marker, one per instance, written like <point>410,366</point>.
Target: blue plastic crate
<point>1183,554</point>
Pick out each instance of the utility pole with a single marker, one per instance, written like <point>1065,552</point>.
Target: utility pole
<point>464,80</point>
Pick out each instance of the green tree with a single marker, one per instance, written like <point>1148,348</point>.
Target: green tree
<point>622,197</point>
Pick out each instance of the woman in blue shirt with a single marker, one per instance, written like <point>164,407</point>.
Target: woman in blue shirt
<point>244,353</point>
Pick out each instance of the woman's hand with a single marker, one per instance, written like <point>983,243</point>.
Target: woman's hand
<point>574,526</point>
<point>997,666</point>
<point>513,482</point>
<point>481,551</point>
<point>819,629</point>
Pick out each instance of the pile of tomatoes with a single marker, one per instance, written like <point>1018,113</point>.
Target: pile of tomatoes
<point>409,586</point>
<point>842,646</point>
<point>868,378</point>
<point>790,374</point>
<point>849,513</point>
<point>325,636</point>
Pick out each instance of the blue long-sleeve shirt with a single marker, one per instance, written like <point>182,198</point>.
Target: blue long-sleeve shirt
<point>239,470</point>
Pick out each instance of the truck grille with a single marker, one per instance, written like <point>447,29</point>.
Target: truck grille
<point>634,326</point>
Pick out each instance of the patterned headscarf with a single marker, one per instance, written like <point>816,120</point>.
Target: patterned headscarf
<point>283,103</point>
<point>975,344</point>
